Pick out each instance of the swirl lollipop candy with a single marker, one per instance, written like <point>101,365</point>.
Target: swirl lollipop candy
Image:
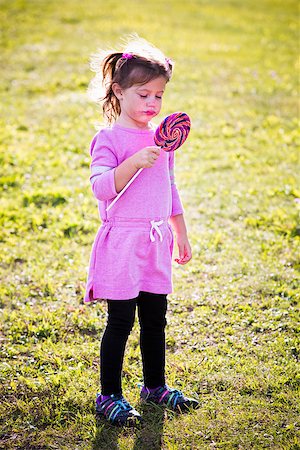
<point>173,131</point>
<point>170,135</point>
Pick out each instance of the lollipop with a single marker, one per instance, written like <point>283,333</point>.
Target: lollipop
<point>170,135</point>
<point>173,131</point>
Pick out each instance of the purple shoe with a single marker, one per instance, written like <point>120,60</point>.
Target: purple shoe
<point>172,398</point>
<point>117,411</point>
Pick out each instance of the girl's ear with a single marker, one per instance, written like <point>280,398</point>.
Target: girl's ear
<point>117,90</point>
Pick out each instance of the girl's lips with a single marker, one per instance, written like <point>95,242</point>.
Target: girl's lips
<point>150,113</point>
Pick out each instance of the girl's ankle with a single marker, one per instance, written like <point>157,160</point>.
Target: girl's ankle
<point>145,389</point>
<point>104,397</point>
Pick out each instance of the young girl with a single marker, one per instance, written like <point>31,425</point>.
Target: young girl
<point>131,258</point>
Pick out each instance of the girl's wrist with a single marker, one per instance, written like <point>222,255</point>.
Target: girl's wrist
<point>133,162</point>
<point>181,236</point>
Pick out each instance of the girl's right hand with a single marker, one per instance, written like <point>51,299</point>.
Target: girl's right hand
<point>146,157</point>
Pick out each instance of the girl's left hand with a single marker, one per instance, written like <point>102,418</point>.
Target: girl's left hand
<point>184,248</point>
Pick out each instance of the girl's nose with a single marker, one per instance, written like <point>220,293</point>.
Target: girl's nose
<point>151,101</point>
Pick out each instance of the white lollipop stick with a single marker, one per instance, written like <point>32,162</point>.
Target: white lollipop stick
<point>124,189</point>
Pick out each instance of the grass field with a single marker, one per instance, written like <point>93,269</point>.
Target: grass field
<point>233,318</point>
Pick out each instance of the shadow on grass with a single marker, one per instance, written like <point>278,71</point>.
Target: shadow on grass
<point>106,435</point>
<point>147,437</point>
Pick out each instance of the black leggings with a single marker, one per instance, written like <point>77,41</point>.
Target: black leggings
<point>152,310</point>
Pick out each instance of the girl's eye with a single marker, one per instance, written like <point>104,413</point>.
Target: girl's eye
<point>145,96</point>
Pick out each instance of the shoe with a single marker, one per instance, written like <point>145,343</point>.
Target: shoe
<point>172,398</point>
<point>117,411</point>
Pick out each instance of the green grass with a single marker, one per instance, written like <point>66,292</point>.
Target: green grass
<point>233,319</point>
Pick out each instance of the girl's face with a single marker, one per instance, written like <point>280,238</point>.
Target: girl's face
<point>140,103</point>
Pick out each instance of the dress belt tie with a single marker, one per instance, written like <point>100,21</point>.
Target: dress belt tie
<point>155,226</point>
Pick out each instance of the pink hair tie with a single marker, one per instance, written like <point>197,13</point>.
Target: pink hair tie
<point>127,55</point>
<point>169,61</point>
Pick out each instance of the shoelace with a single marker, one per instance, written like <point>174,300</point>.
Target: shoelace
<point>112,407</point>
<point>123,404</point>
<point>118,406</point>
<point>174,396</point>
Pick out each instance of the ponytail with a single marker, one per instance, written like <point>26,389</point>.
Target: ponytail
<point>111,105</point>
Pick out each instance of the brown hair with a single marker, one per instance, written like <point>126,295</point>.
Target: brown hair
<point>138,63</point>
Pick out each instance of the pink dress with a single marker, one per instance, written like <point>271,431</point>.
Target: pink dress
<point>132,251</point>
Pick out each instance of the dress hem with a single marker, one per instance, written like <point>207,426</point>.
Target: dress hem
<point>110,295</point>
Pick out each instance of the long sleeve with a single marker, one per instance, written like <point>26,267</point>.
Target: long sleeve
<point>177,207</point>
<point>103,165</point>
